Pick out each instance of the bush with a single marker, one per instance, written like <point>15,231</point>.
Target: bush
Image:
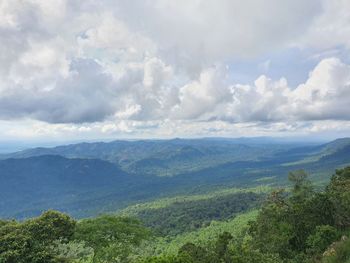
<point>338,252</point>
<point>322,238</point>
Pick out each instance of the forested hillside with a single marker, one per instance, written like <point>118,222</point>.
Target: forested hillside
<point>91,178</point>
<point>163,157</point>
<point>179,156</point>
<point>296,225</point>
<point>181,217</point>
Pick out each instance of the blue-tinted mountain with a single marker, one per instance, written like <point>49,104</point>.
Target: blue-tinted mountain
<point>29,185</point>
<point>90,178</point>
<point>163,157</point>
<point>85,187</point>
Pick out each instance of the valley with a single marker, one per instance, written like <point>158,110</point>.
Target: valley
<point>141,202</point>
<point>92,178</point>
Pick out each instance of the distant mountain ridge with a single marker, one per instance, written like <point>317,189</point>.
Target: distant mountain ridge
<point>90,178</point>
<point>162,157</point>
<point>337,144</point>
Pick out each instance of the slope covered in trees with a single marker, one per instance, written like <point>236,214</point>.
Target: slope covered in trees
<point>161,157</point>
<point>303,226</point>
<point>91,178</point>
<point>187,216</point>
<point>297,226</point>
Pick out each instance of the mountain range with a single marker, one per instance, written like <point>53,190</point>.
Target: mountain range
<point>89,178</point>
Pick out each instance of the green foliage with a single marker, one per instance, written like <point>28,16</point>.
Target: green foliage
<point>271,231</point>
<point>165,259</point>
<point>188,216</point>
<point>338,252</point>
<point>111,237</point>
<point>302,188</point>
<point>73,251</point>
<point>51,226</point>
<point>300,226</point>
<point>306,222</point>
<point>223,250</point>
<point>195,254</point>
<point>56,238</point>
<point>202,236</point>
<point>322,237</point>
<point>221,245</point>
<point>135,210</point>
<point>240,254</point>
<point>339,193</point>
<point>32,240</point>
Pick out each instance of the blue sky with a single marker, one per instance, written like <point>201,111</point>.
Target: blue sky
<point>294,64</point>
<point>87,70</point>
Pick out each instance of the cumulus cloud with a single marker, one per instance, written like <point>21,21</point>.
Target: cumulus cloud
<point>132,65</point>
<point>203,95</point>
<point>326,94</point>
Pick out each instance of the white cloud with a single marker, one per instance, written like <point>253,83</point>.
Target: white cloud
<point>125,66</point>
<point>203,95</point>
<point>206,31</point>
<point>331,28</point>
<point>326,94</point>
<point>262,102</point>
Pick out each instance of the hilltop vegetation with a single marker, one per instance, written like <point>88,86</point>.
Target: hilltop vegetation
<point>302,225</point>
<point>170,245</point>
<point>55,237</point>
<point>189,216</point>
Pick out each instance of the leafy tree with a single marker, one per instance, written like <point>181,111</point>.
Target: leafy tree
<point>50,226</point>
<point>32,240</point>
<point>302,226</point>
<point>193,253</point>
<point>271,232</point>
<point>253,256</point>
<point>111,237</point>
<point>322,237</point>
<point>73,251</point>
<point>222,245</point>
<point>302,187</point>
<point>285,222</point>
<point>166,259</point>
<point>339,193</point>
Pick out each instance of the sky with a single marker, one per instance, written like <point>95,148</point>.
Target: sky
<point>112,69</point>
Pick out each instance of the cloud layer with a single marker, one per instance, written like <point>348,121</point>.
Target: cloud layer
<point>134,64</point>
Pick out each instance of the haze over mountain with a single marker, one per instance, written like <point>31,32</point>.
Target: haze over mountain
<point>88,178</point>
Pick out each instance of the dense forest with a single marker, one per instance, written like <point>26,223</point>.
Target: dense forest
<point>300,224</point>
<point>88,179</point>
<point>188,216</point>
